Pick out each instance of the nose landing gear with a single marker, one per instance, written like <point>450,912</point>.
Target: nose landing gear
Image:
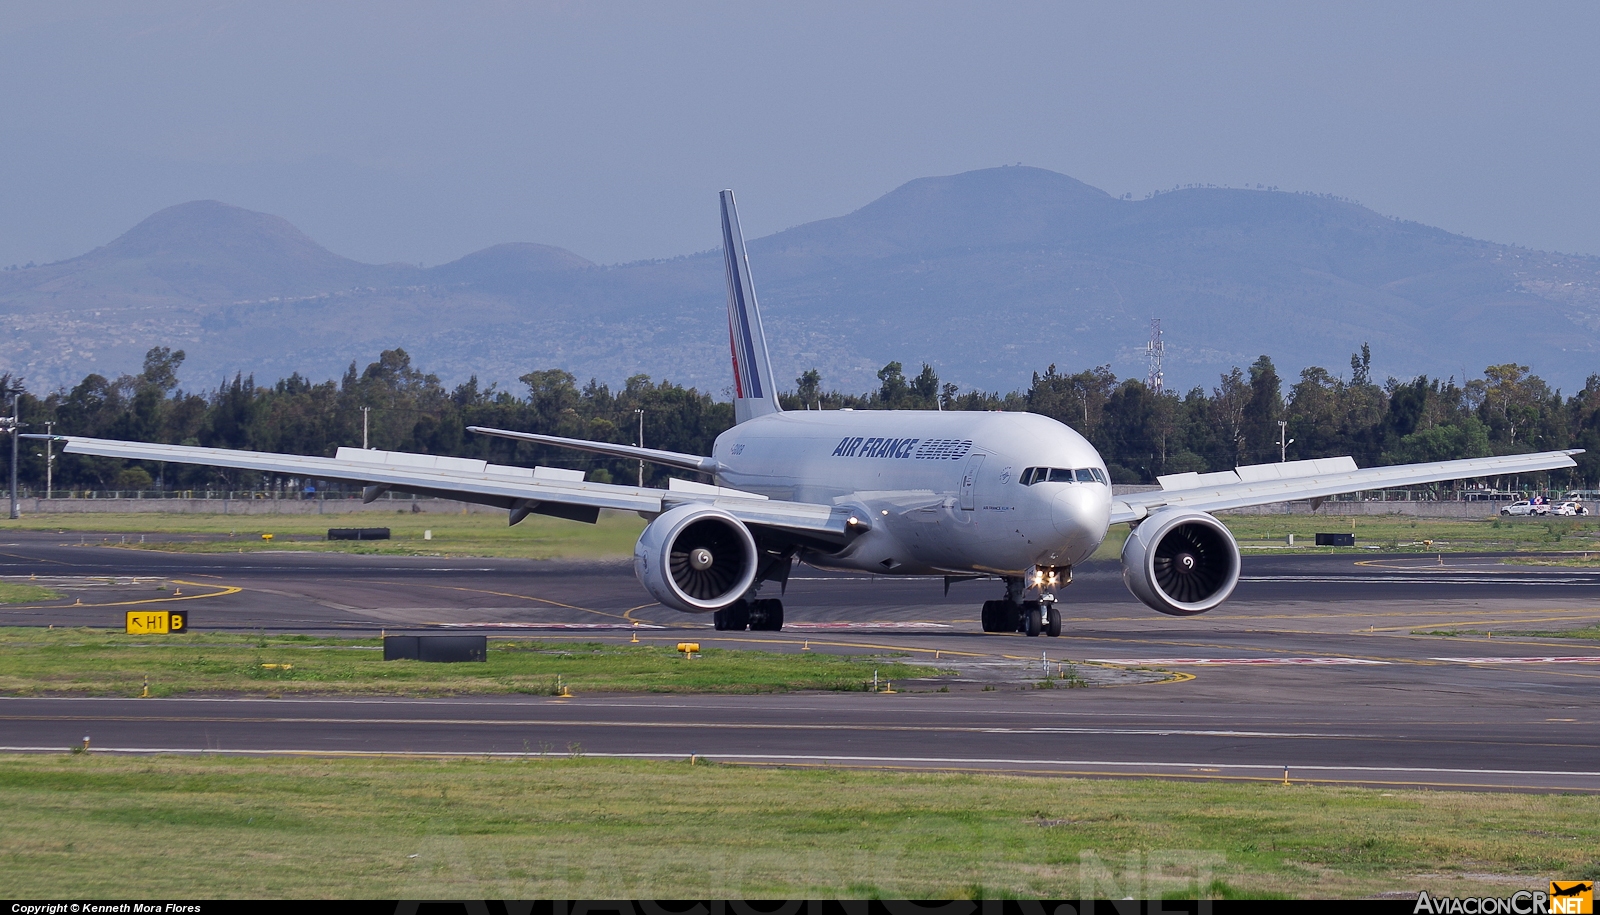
<point>1030,617</point>
<point>756,615</point>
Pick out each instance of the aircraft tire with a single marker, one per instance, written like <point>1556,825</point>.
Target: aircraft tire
<point>766,616</point>
<point>719,620</point>
<point>1032,618</point>
<point>735,616</point>
<point>991,618</point>
<point>1052,626</point>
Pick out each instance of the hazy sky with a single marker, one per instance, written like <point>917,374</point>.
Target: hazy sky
<point>420,132</point>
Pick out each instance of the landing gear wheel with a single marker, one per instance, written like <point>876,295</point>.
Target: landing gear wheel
<point>734,617</point>
<point>1032,618</point>
<point>1052,626</point>
<point>766,615</point>
<point>991,618</point>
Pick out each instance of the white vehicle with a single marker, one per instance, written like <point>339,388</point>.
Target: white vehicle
<point>1011,496</point>
<point>1525,507</point>
<point>1569,509</point>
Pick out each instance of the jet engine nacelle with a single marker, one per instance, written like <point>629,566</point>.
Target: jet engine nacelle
<point>1180,562</point>
<point>695,558</point>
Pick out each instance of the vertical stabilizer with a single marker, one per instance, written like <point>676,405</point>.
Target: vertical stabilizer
<point>753,391</point>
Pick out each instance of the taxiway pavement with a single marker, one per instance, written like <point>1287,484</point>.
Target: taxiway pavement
<point>1328,665</point>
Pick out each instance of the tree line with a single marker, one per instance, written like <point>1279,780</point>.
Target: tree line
<point>1141,433</point>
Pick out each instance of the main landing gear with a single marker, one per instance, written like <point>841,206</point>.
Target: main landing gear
<point>1031,617</point>
<point>755,615</point>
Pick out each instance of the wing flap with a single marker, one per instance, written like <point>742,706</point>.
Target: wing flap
<point>649,455</point>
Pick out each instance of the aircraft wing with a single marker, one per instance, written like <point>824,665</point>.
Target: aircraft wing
<point>523,490</point>
<point>1260,484</point>
<point>652,455</point>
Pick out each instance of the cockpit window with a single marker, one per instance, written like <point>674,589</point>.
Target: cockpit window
<point>1032,475</point>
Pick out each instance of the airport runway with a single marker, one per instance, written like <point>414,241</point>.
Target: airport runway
<point>1321,663</point>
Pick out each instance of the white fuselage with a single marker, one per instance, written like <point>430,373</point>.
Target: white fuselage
<point>942,491</point>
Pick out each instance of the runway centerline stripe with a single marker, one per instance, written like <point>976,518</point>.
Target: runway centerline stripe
<point>1165,662</point>
<point>679,725</point>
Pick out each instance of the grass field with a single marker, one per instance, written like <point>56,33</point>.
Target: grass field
<point>551,538</point>
<point>111,663</point>
<point>1592,632</point>
<point>575,828</point>
<point>16,593</point>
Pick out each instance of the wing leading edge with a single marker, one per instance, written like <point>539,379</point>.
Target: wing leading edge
<point>1264,483</point>
<point>540,490</point>
<point>649,455</point>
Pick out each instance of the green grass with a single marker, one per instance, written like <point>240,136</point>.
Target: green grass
<point>17,593</point>
<point>487,534</point>
<point>103,662</point>
<point>573,828</point>
<point>1592,632</point>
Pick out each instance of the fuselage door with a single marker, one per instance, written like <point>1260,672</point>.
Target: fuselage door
<point>969,479</point>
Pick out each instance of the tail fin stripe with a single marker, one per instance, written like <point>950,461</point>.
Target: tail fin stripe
<point>747,378</point>
<point>755,394</point>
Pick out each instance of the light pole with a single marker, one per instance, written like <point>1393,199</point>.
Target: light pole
<point>364,412</point>
<point>16,429</point>
<point>641,445</point>
<point>1284,441</point>
<point>49,457</point>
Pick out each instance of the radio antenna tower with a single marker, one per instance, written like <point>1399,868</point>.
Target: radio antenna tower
<point>1155,381</point>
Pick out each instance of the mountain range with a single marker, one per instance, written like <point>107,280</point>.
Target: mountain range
<point>988,276</point>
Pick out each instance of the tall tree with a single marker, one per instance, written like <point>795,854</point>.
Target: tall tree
<point>1259,418</point>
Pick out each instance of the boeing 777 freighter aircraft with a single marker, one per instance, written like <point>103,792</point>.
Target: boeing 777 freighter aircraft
<point>1014,496</point>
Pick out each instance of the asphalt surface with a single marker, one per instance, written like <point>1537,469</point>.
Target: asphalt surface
<point>1324,664</point>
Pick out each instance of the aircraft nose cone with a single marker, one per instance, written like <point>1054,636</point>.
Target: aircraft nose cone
<point>1081,512</point>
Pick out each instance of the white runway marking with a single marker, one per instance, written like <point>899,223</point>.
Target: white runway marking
<point>1427,578</point>
<point>1578,659</point>
<point>1180,662</point>
<point>619,625</point>
<point>829,627</point>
